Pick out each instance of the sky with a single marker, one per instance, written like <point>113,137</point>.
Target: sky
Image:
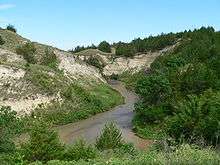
<point>68,23</point>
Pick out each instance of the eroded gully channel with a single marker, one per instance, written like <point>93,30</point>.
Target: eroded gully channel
<point>121,115</point>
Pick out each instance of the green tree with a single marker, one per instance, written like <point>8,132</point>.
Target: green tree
<point>11,28</point>
<point>154,89</point>
<point>110,138</point>
<point>105,47</point>
<point>125,50</point>
<point>80,150</point>
<point>44,144</point>
<point>94,61</point>
<point>197,117</point>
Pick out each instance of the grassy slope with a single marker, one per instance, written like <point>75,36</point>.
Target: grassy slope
<point>97,96</point>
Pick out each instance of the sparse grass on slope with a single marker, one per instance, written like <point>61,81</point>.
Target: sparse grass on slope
<point>76,101</point>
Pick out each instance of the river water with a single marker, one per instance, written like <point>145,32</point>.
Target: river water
<point>121,115</point>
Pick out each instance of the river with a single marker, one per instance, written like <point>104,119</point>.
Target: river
<point>121,115</point>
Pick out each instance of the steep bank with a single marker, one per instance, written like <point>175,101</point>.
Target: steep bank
<point>37,88</point>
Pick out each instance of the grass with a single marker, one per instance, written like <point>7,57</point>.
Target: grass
<point>78,101</point>
<point>80,104</point>
<point>154,132</point>
<point>130,78</point>
<point>184,155</point>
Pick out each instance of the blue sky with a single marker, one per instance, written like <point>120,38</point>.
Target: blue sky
<point>67,23</point>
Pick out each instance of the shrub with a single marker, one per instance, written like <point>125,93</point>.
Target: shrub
<point>154,89</point>
<point>94,61</point>
<point>198,117</point>
<point>110,138</point>
<point>197,78</point>
<point>8,121</point>
<point>1,41</point>
<point>28,52</point>
<point>49,58</point>
<point>44,144</point>
<point>6,143</point>
<point>150,114</point>
<point>11,28</point>
<point>125,50</point>
<point>80,150</point>
<point>11,158</point>
<point>105,47</point>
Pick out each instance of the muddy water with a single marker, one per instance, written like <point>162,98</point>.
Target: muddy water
<point>90,128</point>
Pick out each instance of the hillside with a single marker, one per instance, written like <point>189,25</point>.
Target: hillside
<point>170,116</point>
<point>25,87</point>
<point>113,65</point>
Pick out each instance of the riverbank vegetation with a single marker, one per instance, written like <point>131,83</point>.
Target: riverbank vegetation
<point>180,97</point>
<point>44,147</point>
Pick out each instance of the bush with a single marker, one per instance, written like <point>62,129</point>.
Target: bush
<point>49,58</point>
<point>110,138</point>
<point>154,89</point>
<point>1,41</point>
<point>8,122</point>
<point>28,52</point>
<point>105,47</point>
<point>6,143</point>
<point>11,28</point>
<point>11,158</point>
<point>150,114</point>
<point>198,117</point>
<point>94,61</point>
<point>80,150</point>
<point>44,144</point>
<point>125,50</point>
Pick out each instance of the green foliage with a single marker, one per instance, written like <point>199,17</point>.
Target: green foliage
<point>191,69</point>
<point>125,50</point>
<point>197,78</point>
<point>105,47</point>
<point>44,144</point>
<point>11,159</point>
<point>154,89</point>
<point>1,41</point>
<point>147,44</point>
<point>80,150</point>
<point>78,101</point>
<point>8,121</point>
<point>110,138</point>
<point>197,117</point>
<point>11,28</point>
<point>150,114</point>
<point>131,78</point>
<point>6,143</point>
<point>184,155</point>
<point>28,51</point>
<point>49,58</point>
<point>82,48</point>
<point>94,61</point>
